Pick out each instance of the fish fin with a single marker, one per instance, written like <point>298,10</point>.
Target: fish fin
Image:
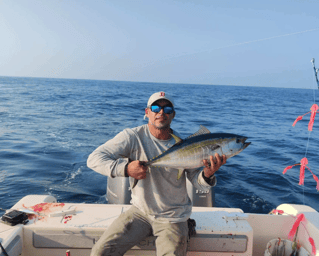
<point>180,173</point>
<point>202,130</point>
<point>135,183</point>
<point>176,138</point>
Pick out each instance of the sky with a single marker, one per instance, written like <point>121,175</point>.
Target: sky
<point>226,42</point>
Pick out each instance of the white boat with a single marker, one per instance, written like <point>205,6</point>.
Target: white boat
<point>219,231</point>
<point>72,229</point>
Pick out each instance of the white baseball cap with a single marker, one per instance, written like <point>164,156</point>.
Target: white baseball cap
<point>159,96</point>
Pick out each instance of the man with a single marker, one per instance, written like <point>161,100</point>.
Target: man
<point>160,203</point>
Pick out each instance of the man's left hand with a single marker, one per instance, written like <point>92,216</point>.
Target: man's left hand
<point>215,163</point>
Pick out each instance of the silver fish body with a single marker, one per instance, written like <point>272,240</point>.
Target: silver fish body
<point>190,152</point>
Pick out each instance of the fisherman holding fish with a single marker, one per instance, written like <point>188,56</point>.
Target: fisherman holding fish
<point>160,203</point>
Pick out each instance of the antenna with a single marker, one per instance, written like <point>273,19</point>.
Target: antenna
<point>315,70</point>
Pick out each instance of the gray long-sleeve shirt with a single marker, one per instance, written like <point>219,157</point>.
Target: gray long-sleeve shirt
<point>160,194</point>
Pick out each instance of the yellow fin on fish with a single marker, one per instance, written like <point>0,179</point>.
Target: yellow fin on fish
<point>180,173</point>
<point>176,138</point>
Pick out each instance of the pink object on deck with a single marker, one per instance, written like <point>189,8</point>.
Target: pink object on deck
<point>300,217</point>
<point>277,211</point>
<point>313,246</point>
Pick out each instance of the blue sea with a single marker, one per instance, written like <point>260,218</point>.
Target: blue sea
<point>48,127</point>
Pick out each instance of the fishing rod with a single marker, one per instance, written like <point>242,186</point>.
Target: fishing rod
<point>315,70</point>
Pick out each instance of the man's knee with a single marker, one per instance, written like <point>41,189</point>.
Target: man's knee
<point>105,250</point>
<point>172,239</point>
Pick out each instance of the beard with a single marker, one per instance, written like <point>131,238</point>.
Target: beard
<point>165,124</point>
<point>161,126</point>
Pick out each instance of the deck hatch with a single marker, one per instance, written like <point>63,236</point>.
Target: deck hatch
<point>218,243</point>
<point>198,243</point>
<point>61,239</point>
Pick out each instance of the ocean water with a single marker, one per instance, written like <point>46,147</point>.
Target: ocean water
<point>48,127</point>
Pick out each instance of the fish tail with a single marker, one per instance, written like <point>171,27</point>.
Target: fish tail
<point>148,163</point>
<point>145,164</point>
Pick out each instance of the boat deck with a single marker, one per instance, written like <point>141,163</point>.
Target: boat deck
<point>76,227</point>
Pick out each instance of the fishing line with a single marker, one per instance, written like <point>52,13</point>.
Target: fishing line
<point>237,44</point>
<point>268,38</point>
<point>304,161</point>
<point>314,102</point>
<point>309,135</point>
<point>314,98</point>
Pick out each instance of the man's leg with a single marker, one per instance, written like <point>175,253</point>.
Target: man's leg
<point>127,230</point>
<point>171,238</point>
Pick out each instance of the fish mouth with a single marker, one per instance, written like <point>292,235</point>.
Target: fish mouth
<point>246,144</point>
<point>243,141</point>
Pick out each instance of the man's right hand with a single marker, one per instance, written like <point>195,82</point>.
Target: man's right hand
<point>137,170</point>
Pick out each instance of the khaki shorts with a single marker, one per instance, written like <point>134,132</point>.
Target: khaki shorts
<point>133,226</point>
